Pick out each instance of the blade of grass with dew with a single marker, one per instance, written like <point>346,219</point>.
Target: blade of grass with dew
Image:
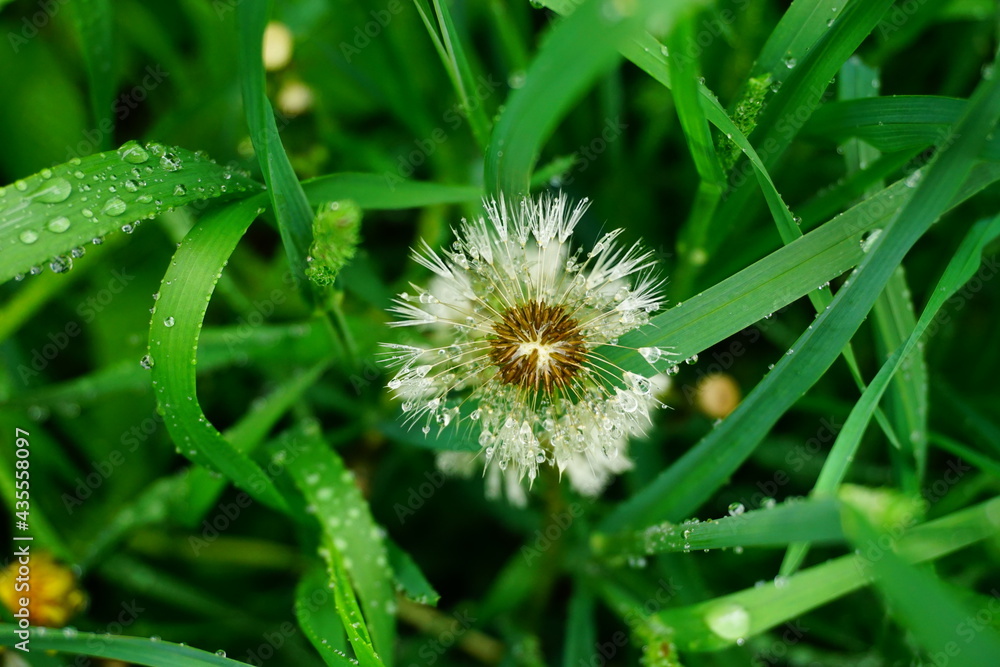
<point>575,52</point>
<point>891,124</point>
<point>702,470</point>
<point>386,191</point>
<point>291,209</point>
<point>44,216</point>
<point>959,270</point>
<point>581,628</point>
<point>893,310</point>
<point>173,342</point>
<point>449,48</point>
<point>774,281</point>
<point>218,347</point>
<point>410,580</point>
<point>316,612</point>
<point>134,650</point>
<point>922,603</point>
<point>349,530</point>
<point>687,102</point>
<point>817,520</point>
<point>93,22</point>
<point>800,94</point>
<point>798,31</point>
<point>721,622</point>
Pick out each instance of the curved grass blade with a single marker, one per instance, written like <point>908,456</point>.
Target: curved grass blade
<point>173,343</point>
<point>134,650</point>
<point>316,613</point>
<point>574,54</point>
<point>46,215</point>
<point>410,580</point>
<point>800,27</point>
<point>680,489</point>
<point>354,540</point>
<point>287,198</point>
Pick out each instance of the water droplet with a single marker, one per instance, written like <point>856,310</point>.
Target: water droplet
<point>131,185</point>
<point>735,509</point>
<point>58,225</point>
<point>179,190</point>
<point>868,240</point>
<point>168,322</point>
<point>54,191</point>
<point>60,264</point>
<point>651,354</point>
<point>132,152</point>
<point>28,236</point>
<point>730,621</point>
<point>114,207</point>
<point>170,162</point>
<point>20,185</point>
<point>790,62</point>
<point>146,361</point>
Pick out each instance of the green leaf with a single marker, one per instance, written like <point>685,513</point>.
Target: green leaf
<point>43,217</point>
<point>316,612</point>
<point>410,580</point>
<point>721,622</point>
<point>947,628</point>
<point>135,650</point>
<point>589,38</point>
<point>93,22</point>
<point>581,628</point>
<point>287,198</point>
<point>173,342</point>
<point>817,520</point>
<point>350,533</point>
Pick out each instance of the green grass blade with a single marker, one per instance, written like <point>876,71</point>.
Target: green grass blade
<point>383,192</point>
<point>946,627</point>
<point>817,520</point>
<point>589,38</point>
<point>680,489</point>
<point>581,628</point>
<point>316,612</point>
<point>961,268</point>
<point>173,343</point>
<point>135,650</point>
<point>719,623</point>
<point>350,530</point>
<point>805,22</point>
<point>287,198</point>
<point>775,281</point>
<point>801,92</point>
<point>410,580</point>
<point>93,21</point>
<point>44,216</point>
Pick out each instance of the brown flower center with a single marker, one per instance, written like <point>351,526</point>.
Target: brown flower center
<point>537,346</point>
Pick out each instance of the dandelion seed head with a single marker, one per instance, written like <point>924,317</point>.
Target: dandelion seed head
<point>514,317</point>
